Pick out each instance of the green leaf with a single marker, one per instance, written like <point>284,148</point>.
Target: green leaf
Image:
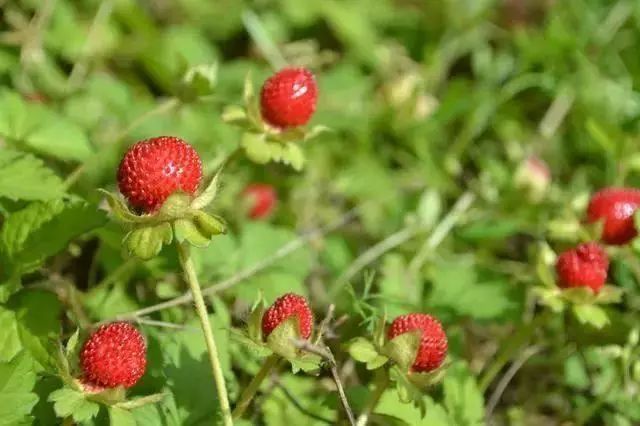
<point>147,241</point>
<point>429,208</point>
<point>17,379</point>
<point>121,417</point>
<point>462,398</point>
<point>9,338</point>
<point>256,147</point>
<point>391,405</point>
<point>25,177</point>
<point>42,229</point>
<point>293,156</point>
<point>68,402</point>
<point>456,288</point>
<point>362,350</point>
<point>591,314</point>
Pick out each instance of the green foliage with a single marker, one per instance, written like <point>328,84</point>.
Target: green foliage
<point>419,104</point>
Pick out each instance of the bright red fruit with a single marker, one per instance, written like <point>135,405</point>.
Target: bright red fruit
<point>262,199</point>
<point>114,355</point>
<point>583,266</point>
<point>288,98</point>
<point>433,345</point>
<point>155,168</point>
<point>284,307</point>
<point>615,206</point>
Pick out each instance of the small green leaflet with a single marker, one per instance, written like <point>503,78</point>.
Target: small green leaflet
<point>68,402</point>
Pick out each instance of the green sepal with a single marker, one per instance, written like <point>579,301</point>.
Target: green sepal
<point>403,349</point>
<point>254,321</point>
<point>198,81</point>
<point>235,114</point>
<point>408,392</point>
<point>187,231</point>
<point>147,241</point>
<point>209,194</point>
<point>141,401</point>
<point>121,212</point>
<point>282,337</point>
<point>209,225</point>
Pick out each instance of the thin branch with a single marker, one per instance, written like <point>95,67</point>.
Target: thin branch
<point>508,376</point>
<point>326,354</point>
<point>164,324</point>
<point>324,325</point>
<point>236,279</point>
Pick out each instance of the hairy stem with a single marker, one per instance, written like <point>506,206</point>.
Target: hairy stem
<point>254,385</point>
<point>201,309</point>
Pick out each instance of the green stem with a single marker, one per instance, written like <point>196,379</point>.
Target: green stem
<point>201,309</point>
<point>382,381</point>
<point>252,388</point>
<point>516,341</point>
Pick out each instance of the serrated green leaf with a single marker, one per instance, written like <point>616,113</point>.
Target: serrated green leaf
<point>121,417</point>
<point>362,350</point>
<point>9,338</point>
<point>309,363</point>
<point>462,398</point>
<point>68,402</point>
<point>256,147</point>
<point>258,350</point>
<point>292,155</point>
<point>591,314</point>
<point>17,379</point>
<point>25,177</point>
<point>42,229</point>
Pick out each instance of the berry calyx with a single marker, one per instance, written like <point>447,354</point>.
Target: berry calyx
<point>583,266</point>
<point>433,341</point>
<point>615,207</point>
<point>262,200</point>
<point>285,307</point>
<point>154,169</point>
<point>114,355</point>
<point>288,98</point>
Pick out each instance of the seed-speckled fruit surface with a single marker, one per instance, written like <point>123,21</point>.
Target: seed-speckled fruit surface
<point>284,307</point>
<point>433,343</point>
<point>155,168</point>
<point>583,266</point>
<point>114,355</point>
<point>288,98</point>
<point>615,207</point>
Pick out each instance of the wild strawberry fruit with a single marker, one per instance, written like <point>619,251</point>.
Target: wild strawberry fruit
<point>615,207</point>
<point>114,355</point>
<point>583,266</point>
<point>155,168</point>
<point>288,98</point>
<point>262,199</point>
<point>433,342</point>
<point>285,307</point>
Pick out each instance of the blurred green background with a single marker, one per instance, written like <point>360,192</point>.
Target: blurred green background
<point>466,134</point>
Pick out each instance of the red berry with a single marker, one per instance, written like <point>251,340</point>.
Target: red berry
<point>262,200</point>
<point>155,168</point>
<point>114,355</point>
<point>583,266</point>
<point>433,344</point>
<point>284,307</point>
<point>288,98</point>
<point>615,206</point>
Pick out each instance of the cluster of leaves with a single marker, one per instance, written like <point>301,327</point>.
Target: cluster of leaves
<point>427,102</point>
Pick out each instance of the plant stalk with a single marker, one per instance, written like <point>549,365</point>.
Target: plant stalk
<point>382,381</point>
<point>191,277</point>
<point>254,385</point>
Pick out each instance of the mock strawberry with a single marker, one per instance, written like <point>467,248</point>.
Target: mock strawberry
<point>155,168</point>
<point>261,198</point>
<point>583,266</point>
<point>433,342</point>
<point>615,207</point>
<point>289,305</point>
<point>114,355</point>
<point>288,98</point>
